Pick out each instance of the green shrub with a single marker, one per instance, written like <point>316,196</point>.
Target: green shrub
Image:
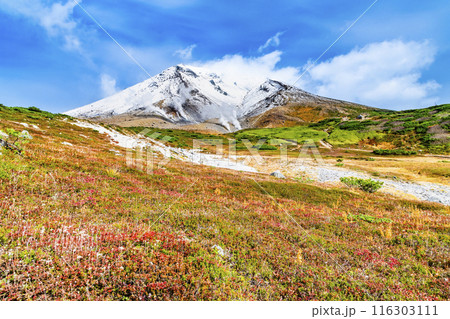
<point>265,147</point>
<point>341,137</point>
<point>394,152</point>
<point>356,125</point>
<point>4,171</point>
<point>371,219</point>
<point>298,134</point>
<point>440,149</point>
<point>35,109</point>
<point>367,185</point>
<point>14,140</point>
<point>332,122</point>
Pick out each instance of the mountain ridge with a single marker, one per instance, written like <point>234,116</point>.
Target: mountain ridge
<point>190,95</point>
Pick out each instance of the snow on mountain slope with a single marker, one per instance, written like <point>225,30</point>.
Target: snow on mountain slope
<point>258,94</point>
<point>179,94</point>
<point>191,95</point>
<point>272,94</point>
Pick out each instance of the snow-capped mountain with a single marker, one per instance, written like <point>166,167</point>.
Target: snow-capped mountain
<point>190,95</point>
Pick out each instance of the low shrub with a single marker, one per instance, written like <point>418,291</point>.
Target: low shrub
<point>265,147</point>
<point>14,140</point>
<point>366,185</point>
<point>394,152</point>
<point>371,219</point>
<point>35,109</point>
<point>356,125</point>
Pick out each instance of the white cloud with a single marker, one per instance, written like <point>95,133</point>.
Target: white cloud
<point>186,54</point>
<point>56,19</point>
<point>108,85</point>
<point>386,74</point>
<point>251,71</point>
<point>271,42</point>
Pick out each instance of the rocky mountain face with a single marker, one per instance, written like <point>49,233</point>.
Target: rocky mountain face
<point>186,95</point>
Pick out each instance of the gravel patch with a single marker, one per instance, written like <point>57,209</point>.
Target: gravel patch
<point>421,190</point>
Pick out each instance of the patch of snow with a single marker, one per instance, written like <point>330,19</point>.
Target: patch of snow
<point>24,124</point>
<point>67,143</point>
<point>257,95</point>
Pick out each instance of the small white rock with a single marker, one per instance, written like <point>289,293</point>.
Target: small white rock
<point>219,250</point>
<point>26,135</point>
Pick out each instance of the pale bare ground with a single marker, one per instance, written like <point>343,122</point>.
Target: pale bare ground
<point>432,169</point>
<point>209,127</point>
<point>325,171</point>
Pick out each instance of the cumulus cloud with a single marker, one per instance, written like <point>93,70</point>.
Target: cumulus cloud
<point>386,74</point>
<point>108,85</point>
<point>56,19</point>
<point>186,54</point>
<point>271,42</point>
<point>251,71</point>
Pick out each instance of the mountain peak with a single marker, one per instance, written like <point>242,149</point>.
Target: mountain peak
<point>190,94</point>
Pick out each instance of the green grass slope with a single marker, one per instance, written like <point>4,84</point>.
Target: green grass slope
<point>424,130</point>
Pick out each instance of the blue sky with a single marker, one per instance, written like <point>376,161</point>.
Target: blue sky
<point>52,55</point>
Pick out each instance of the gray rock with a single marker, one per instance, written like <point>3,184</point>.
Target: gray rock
<point>278,174</point>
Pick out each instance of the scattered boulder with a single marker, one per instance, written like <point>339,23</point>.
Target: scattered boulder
<point>362,117</point>
<point>278,174</point>
<point>25,135</point>
<point>9,146</point>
